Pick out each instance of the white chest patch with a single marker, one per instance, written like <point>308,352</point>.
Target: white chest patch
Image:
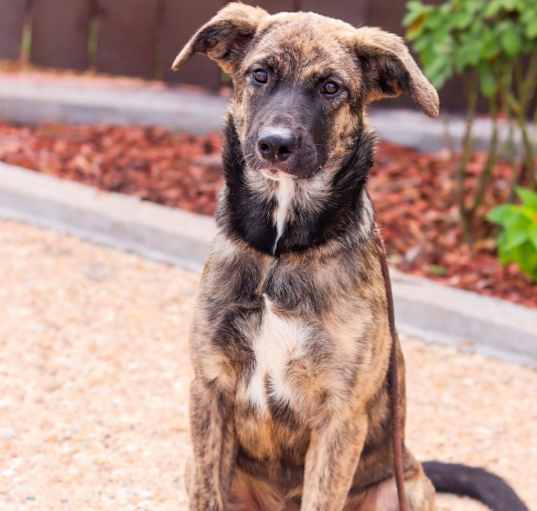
<point>279,341</point>
<point>284,197</point>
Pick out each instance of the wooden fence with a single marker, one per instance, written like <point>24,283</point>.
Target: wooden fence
<point>140,38</point>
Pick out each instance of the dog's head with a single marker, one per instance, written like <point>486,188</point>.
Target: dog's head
<point>301,83</point>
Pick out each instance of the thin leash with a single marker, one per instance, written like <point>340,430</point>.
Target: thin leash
<point>396,404</point>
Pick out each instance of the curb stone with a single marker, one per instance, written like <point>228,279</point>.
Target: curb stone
<point>121,221</point>
<point>24,100</point>
<point>423,308</point>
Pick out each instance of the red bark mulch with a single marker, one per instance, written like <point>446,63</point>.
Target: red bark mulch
<point>413,192</point>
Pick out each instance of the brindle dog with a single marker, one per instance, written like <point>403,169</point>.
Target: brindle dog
<point>291,342</point>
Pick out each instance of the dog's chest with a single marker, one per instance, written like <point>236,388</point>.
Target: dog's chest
<point>278,346</point>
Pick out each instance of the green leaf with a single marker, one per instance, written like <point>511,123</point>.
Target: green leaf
<point>414,11</point>
<point>439,72</point>
<point>490,45</point>
<point>531,28</point>
<point>416,27</point>
<point>529,213</point>
<point>502,214</point>
<point>488,82</point>
<point>501,242</point>
<point>493,7</point>
<point>439,20</point>
<point>516,238</point>
<point>511,41</point>
<point>533,236</point>
<point>526,257</point>
<point>517,233</point>
<point>506,256</point>
<point>527,197</point>
<point>462,19</point>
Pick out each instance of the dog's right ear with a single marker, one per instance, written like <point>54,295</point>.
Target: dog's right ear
<point>225,37</point>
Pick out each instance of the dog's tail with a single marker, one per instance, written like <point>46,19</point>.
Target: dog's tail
<point>476,483</point>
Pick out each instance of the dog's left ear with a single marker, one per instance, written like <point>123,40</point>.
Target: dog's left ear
<point>389,69</point>
<point>225,37</point>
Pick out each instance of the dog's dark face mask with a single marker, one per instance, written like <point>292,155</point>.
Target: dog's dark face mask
<point>301,82</point>
<point>285,123</point>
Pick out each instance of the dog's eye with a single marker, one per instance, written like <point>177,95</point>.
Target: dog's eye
<point>329,88</point>
<point>260,75</point>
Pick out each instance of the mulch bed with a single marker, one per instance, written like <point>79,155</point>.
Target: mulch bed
<point>413,192</point>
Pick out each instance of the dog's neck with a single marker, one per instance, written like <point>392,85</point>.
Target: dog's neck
<point>278,217</point>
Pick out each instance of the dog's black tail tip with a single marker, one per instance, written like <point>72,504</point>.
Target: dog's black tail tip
<point>476,483</point>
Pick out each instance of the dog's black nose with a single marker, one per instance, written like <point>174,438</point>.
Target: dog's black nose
<point>276,144</point>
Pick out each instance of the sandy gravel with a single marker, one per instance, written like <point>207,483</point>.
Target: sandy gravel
<point>94,377</point>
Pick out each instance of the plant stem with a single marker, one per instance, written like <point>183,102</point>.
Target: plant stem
<point>447,135</point>
<point>510,148</point>
<point>529,85</point>
<point>467,147</point>
<point>527,89</point>
<point>486,173</point>
<point>528,163</point>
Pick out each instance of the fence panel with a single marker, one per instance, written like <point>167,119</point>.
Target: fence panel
<point>11,24</point>
<point>180,20</point>
<point>354,12</point>
<point>387,15</point>
<point>126,37</point>
<point>60,31</point>
<point>274,6</point>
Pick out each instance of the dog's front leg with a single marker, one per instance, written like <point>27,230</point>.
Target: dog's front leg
<point>214,445</point>
<point>333,455</point>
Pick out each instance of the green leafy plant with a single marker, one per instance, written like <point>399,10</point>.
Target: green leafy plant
<point>517,241</point>
<point>492,45</point>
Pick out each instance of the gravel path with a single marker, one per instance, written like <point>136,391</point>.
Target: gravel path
<point>94,376</point>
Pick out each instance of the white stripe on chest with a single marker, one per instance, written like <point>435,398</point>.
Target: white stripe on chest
<point>279,341</point>
<point>284,196</point>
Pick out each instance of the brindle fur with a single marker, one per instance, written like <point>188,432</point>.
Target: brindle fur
<point>311,431</point>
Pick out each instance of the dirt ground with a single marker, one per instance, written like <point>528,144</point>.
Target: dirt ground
<point>94,375</point>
